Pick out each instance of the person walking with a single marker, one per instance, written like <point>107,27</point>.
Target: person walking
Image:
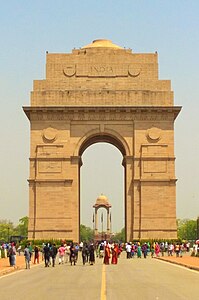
<point>61,252</point>
<point>162,248</point>
<point>72,255</point>
<point>36,254</point>
<point>53,254</point>
<point>84,252</point>
<point>92,254</point>
<point>46,250</point>
<point>128,250</point>
<point>145,250</point>
<point>170,249</point>
<point>27,257</point>
<point>67,253</point>
<point>12,255</point>
<point>157,249</point>
<point>115,251</point>
<point>106,254</point>
<point>139,250</point>
<point>177,249</point>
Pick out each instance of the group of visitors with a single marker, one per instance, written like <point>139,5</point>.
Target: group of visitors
<point>69,253</point>
<point>109,252</point>
<point>156,249</point>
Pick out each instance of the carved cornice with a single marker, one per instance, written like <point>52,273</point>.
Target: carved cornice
<point>102,113</point>
<point>49,159</point>
<point>172,180</point>
<point>68,181</point>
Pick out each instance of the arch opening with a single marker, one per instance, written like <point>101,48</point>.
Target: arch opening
<point>102,172</point>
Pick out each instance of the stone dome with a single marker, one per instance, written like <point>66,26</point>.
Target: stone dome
<point>102,200</point>
<point>102,43</point>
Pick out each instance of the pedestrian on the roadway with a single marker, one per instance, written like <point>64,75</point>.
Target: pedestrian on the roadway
<point>162,248</point>
<point>128,250</point>
<point>76,251</point>
<point>91,254</point>
<point>84,252</point>
<point>53,254</point>
<point>152,251</point>
<point>106,254</point>
<point>145,250</point>
<point>27,256</point>
<point>36,254</point>
<point>46,250</point>
<point>12,255</point>
<point>177,249</point>
<point>115,251</point>
<point>72,254</point>
<point>157,249</point>
<point>170,249</point>
<point>139,250</point>
<point>67,252</point>
<point>61,252</point>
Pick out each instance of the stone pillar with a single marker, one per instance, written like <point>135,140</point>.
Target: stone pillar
<point>129,204</point>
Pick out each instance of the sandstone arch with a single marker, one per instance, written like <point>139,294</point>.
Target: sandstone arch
<point>102,92</point>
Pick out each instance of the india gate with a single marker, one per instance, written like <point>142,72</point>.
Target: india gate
<point>102,93</point>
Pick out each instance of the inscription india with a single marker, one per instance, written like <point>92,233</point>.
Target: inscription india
<point>102,70</point>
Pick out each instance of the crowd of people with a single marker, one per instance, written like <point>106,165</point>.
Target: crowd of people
<point>69,253</point>
<point>158,249</point>
<point>109,252</point>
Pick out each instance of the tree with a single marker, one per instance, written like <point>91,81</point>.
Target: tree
<point>22,227</point>
<point>86,233</point>
<point>187,229</point>
<point>120,236</point>
<point>6,230</point>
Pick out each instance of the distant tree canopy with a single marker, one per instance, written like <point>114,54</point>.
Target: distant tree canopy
<point>86,233</point>
<point>7,229</point>
<point>119,236</point>
<point>22,227</point>
<point>187,229</point>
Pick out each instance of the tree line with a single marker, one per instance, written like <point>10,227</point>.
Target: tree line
<point>186,230</point>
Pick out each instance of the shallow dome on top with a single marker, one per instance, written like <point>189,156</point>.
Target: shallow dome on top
<point>102,43</point>
<point>102,200</point>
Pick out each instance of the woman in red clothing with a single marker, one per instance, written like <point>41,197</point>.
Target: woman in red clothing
<point>115,251</point>
<point>106,255</point>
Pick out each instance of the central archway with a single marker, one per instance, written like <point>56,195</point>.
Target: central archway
<point>103,147</point>
<point>102,173</point>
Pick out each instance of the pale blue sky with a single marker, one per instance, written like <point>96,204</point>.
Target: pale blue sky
<point>29,28</point>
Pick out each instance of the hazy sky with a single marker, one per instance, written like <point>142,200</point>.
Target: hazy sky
<point>29,28</point>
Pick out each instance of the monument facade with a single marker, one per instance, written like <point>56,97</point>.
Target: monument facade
<point>102,93</point>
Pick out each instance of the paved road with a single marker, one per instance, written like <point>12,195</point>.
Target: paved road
<point>137,279</point>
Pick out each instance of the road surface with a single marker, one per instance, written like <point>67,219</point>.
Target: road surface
<point>147,279</point>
